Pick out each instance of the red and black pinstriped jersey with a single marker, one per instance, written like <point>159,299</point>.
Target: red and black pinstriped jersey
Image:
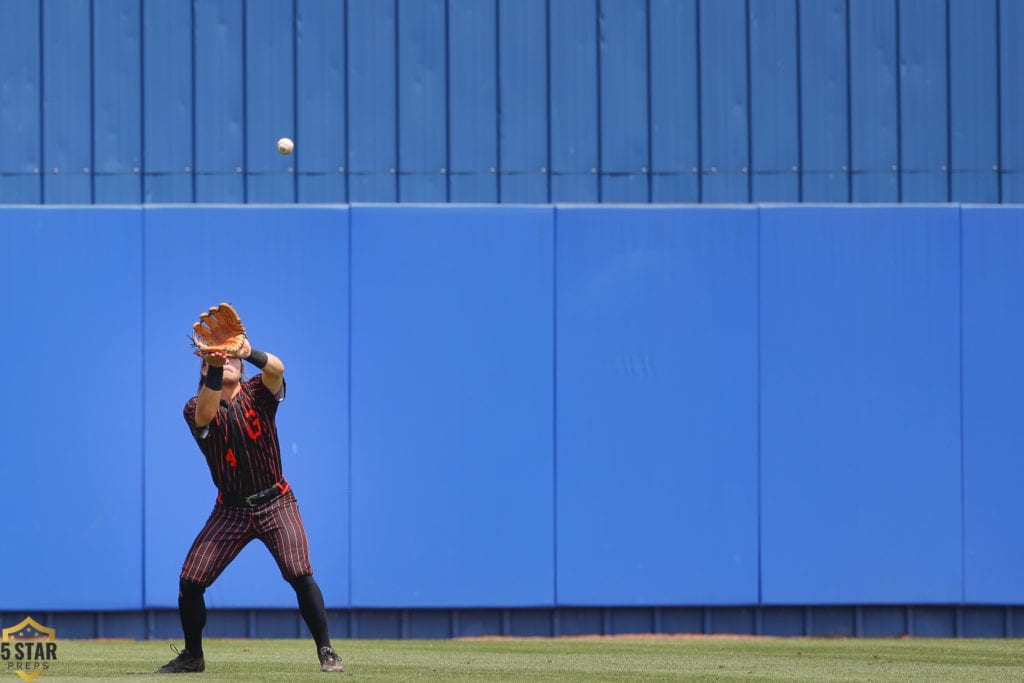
<point>240,444</point>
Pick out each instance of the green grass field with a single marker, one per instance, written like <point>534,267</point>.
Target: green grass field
<point>559,659</point>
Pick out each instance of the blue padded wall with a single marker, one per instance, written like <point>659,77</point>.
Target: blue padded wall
<point>272,264</point>
<point>72,469</point>
<point>860,406</point>
<point>656,406</point>
<point>550,419</point>
<point>993,377</point>
<point>452,446</point>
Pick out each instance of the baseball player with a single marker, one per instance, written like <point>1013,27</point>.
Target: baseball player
<point>233,422</point>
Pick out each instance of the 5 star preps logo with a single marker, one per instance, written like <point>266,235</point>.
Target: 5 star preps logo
<point>28,648</point>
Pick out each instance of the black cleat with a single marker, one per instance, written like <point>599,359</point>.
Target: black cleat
<point>329,659</point>
<point>184,663</point>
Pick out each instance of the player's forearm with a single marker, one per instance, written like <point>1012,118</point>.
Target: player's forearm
<point>209,396</point>
<point>206,409</point>
<point>271,367</point>
<point>273,373</point>
<point>274,366</point>
<point>268,363</point>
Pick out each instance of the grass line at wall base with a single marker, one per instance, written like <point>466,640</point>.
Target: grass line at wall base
<point>557,659</point>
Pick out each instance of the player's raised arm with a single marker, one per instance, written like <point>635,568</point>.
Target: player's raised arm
<point>269,364</point>
<point>210,392</point>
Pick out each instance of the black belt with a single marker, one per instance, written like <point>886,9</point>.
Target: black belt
<point>278,489</point>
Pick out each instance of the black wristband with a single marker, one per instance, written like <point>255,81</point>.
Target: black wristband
<point>214,378</point>
<point>257,358</point>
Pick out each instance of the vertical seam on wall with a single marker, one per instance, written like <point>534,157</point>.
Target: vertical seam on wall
<point>142,248</point>
<point>849,110</point>
<point>447,105</point>
<point>650,106</point>
<point>349,407</point>
<point>295,96</point>
<point>949,108</point>
<point>193,162</point>
<point>142,104</point>
<point>899,109</point>
<point>700,104</point>
<point>600,93</point>
<point>497,100</point>
<point>142,384</point>
<point>999,105</point>
<point>750,103</point>
<point>348,111</point>
<point>799,106</point>
<point>963,482</point>
<point>42,108</point>
<point>92,102</point>
<point>245,103</point>
<point>398,108</point>
<point>554,400</point>
<point>547,95</point>
<point>758,476</point>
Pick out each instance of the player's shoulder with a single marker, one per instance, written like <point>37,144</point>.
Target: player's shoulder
<point>254,386</point>
<point>254,382</point>
<point>258,390</point>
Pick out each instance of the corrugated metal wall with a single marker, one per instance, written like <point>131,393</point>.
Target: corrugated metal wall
<point>127,101</point>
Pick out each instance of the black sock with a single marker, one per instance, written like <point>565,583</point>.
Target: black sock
<point>192,611</point>
<point>311,605</point>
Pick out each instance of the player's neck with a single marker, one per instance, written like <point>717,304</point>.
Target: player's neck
<point>229,391</point>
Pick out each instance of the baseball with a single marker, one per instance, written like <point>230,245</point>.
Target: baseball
<point>285,146</point>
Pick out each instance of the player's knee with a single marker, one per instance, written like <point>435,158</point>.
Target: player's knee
<point>302,583</point>
<point>190,589</point>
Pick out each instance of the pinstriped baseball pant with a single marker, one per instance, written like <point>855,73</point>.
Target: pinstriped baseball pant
<point>229,529</point>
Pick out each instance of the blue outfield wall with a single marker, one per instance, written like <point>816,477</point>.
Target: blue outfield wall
<point>72,469</point>
<point>860,406</point>
<point>276,265</point>
<point>535,419</point>
<point>511,101</point>
<point>452,454</point>
<point>656,408</point>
